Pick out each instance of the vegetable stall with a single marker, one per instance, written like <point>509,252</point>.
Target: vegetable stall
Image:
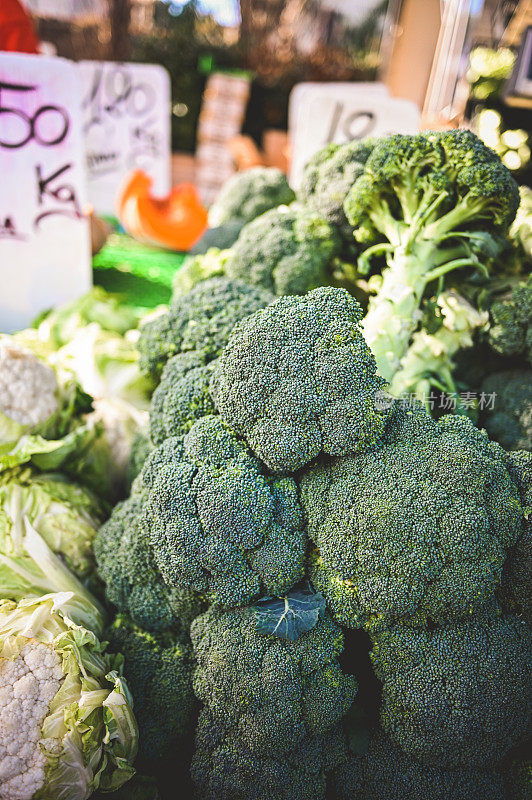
<point>272,539</point>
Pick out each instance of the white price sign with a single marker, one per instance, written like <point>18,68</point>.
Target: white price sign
<point>126,120</point>
<point>341,112</point>
<point>44,235</point>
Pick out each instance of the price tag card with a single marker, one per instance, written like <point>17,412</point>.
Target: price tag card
<point>341,112</point>
<point>44,235</point>
<point>126,121</point>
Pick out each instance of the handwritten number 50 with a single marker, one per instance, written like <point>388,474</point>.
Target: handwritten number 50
<point>32,125</point>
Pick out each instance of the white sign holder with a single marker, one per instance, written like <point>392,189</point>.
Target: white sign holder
<point>126,122</point>
<point>320,113</point>
<point>44,234</point>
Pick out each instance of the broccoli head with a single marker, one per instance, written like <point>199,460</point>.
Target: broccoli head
<point>516,584</point>
<point>458,695</point>
<point>199,321</point>
<point>197,269</point>
<point>221,770</point>
<point>141,447</point>
<point>511,323</point>
<point>431,203</point>
<point>217,523</point>
<point>182,396</point>
<point>221,237</point>
<point>158,670</point>
<point>328,177</point>
<point>384,772</point>
<point>417,529</point>
<point>507,414</point>
<point>297,378</point>
<point>270,691</point>
<point>288,250</point>
<point>249,194</point>
<point>133,583</point>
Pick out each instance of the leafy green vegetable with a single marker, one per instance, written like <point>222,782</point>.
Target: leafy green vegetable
<point>29,568</point>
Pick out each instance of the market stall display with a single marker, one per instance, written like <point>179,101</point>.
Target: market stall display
<point>314,560</point>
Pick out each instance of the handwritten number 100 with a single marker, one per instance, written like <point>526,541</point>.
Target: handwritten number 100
<point>31,123</point>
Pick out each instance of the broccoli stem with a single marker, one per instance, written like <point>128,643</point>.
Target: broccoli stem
<point>393,314</point>
<point>428,361</point>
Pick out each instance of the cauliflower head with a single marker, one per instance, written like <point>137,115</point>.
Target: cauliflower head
<point>66,721</point>
<point>28,386</point>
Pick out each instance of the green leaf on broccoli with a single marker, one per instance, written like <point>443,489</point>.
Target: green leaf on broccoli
<point>291,616</point>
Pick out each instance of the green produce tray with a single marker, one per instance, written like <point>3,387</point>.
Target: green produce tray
<point>141,274</point>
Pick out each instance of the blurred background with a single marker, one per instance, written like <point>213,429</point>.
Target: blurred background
<point>455,59</point>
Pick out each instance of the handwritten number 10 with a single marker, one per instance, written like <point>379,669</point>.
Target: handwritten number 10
<point>355,126</point>
<point>31,123</point>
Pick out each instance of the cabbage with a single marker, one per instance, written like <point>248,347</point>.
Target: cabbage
<point>47,526</point>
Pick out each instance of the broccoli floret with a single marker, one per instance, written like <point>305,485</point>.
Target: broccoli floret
<point>221,237</point>
<point>384,772</point>
<point>271,691</point>
<point>511,323</point>
<point>433,203</point>
<point>249,194</point>
<point>519,774</point>
<point>198,269</point>
<point>416,529</point>
<point>133,583</point>
<point>158,670</point>
<point>218,524</point>
<point>507,413</point>
<point>516,584</point>
<point>459,695</point>
<point>141,447</point>
<point>200,321</point>
<point>288,250</point>
<point>328,177</point>
<point>223,771</point>
<point>182,396</point>
<point>297,378</point>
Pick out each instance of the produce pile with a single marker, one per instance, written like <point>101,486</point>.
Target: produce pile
<point>315,584</point>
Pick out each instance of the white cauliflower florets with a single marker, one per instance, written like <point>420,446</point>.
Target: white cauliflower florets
<point>28,684</point>
<point>28,386</point>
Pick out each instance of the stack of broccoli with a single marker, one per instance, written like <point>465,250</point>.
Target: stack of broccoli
<point>340,580</point>
<point>314,590</point>
<point>421,230</point>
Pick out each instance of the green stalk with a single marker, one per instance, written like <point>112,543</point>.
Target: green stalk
<point>428,361</point>
<point>393,314</point>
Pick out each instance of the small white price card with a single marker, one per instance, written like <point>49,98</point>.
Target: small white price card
<point>341,112</point>
<point>126,121</point>
<point>44,234</point>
